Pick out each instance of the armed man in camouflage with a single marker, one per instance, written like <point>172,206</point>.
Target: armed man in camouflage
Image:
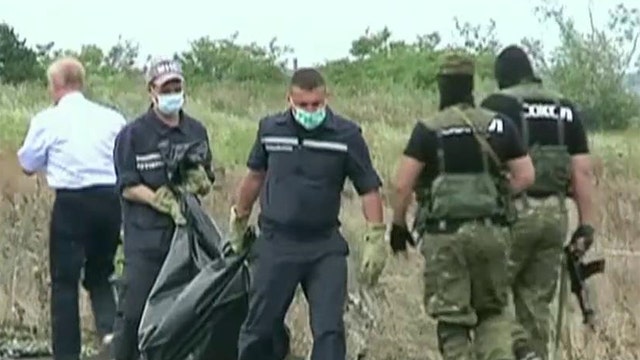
<point>463,163</point>
<point>552,129</point>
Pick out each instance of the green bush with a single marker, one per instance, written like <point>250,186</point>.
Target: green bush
<point>18,63</point>
<point>591,68</point>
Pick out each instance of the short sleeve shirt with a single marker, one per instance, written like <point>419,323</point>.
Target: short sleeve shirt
<point>543,129</point>
<point>306,170</point>
<point>462,152</point>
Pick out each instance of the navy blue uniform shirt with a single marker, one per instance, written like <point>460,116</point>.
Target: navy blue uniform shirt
<point>138,161</point>
<point>306,171</point>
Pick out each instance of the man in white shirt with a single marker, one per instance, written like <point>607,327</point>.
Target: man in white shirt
<point>72,142</point>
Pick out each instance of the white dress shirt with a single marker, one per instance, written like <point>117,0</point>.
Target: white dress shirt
<point>73,143</point>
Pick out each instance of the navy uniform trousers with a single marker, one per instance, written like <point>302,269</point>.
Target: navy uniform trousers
<point>280,262</point>
<point>84,234</point>
<point>144,253</point>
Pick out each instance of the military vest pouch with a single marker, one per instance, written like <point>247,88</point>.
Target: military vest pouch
<point>552,164</point>
<point>456,197</point>
<point>463,196</point>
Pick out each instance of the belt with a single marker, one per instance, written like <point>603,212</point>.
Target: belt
<point>268,225</point>
<point>87,189</point>
<point>539,201</point>
<point>452,225</point>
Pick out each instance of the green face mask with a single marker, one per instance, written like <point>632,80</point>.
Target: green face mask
<point>310,120</point>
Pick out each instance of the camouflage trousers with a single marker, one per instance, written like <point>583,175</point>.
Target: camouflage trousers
<point>466,291</point>
<point>535,257</point>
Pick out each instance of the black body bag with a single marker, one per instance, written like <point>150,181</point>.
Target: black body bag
<point>200,297</point>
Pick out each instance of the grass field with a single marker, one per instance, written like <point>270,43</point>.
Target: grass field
<point>230,112</point>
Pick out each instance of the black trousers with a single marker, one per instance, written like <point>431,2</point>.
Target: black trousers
<point>144,253</point>
<point>277,273</point>
<point>84,234</point>
<point>281,334</point>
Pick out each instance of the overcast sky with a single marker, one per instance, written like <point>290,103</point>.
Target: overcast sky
<point>317,30</point>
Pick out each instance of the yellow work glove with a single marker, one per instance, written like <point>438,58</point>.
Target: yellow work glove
<point>237,229</point>
<point>196,182</point>
<point>374,254</point>
<point>166,202</point>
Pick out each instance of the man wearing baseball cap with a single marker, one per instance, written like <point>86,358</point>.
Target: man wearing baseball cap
<point>165,84</point>
<point>150,210</point>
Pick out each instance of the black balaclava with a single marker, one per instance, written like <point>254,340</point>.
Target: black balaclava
<point>455,89</point>
<point>512,67</point>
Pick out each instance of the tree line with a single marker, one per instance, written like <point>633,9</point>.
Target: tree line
<point>597,68</point>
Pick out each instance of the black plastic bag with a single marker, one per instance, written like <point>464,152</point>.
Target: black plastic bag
<point>200,298</point>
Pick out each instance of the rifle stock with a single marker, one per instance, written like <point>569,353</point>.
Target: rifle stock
<point>579,272</point>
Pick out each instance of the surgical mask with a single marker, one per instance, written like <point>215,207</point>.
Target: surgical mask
<point>170,104</point>
<point>310,120</point>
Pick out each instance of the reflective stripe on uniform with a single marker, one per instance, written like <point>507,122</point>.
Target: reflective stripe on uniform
<point>279,140</point>
<point>286,143</point>
<point>148,157</point>
<point>149,161</point>
<point>325,145</point>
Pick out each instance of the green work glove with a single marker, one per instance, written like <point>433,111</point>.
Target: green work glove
<point>237,229</point>
<point>196,182</point>
<point>374,254</point>
<point>166,202</point>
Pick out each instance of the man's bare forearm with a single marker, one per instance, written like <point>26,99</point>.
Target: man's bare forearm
<point>521,173</point>
<point>401,202</point>
<point>372,207</point>
<point>406,178</point>
<point>248,191</point>
<point>139,193</point>
<point>582,188</point>
<point>582,197</point>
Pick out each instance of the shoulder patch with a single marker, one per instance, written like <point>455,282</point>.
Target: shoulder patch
<point>496,125</point>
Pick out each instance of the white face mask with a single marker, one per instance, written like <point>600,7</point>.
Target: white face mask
<point>170,104</point>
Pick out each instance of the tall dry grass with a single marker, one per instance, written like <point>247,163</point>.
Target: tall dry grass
<point>402,330</point>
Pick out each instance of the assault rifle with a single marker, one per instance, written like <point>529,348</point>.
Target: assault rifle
<point>579,272</point>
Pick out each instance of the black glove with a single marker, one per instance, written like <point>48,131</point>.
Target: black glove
<point>582,239</point>
<point>399,238</point>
